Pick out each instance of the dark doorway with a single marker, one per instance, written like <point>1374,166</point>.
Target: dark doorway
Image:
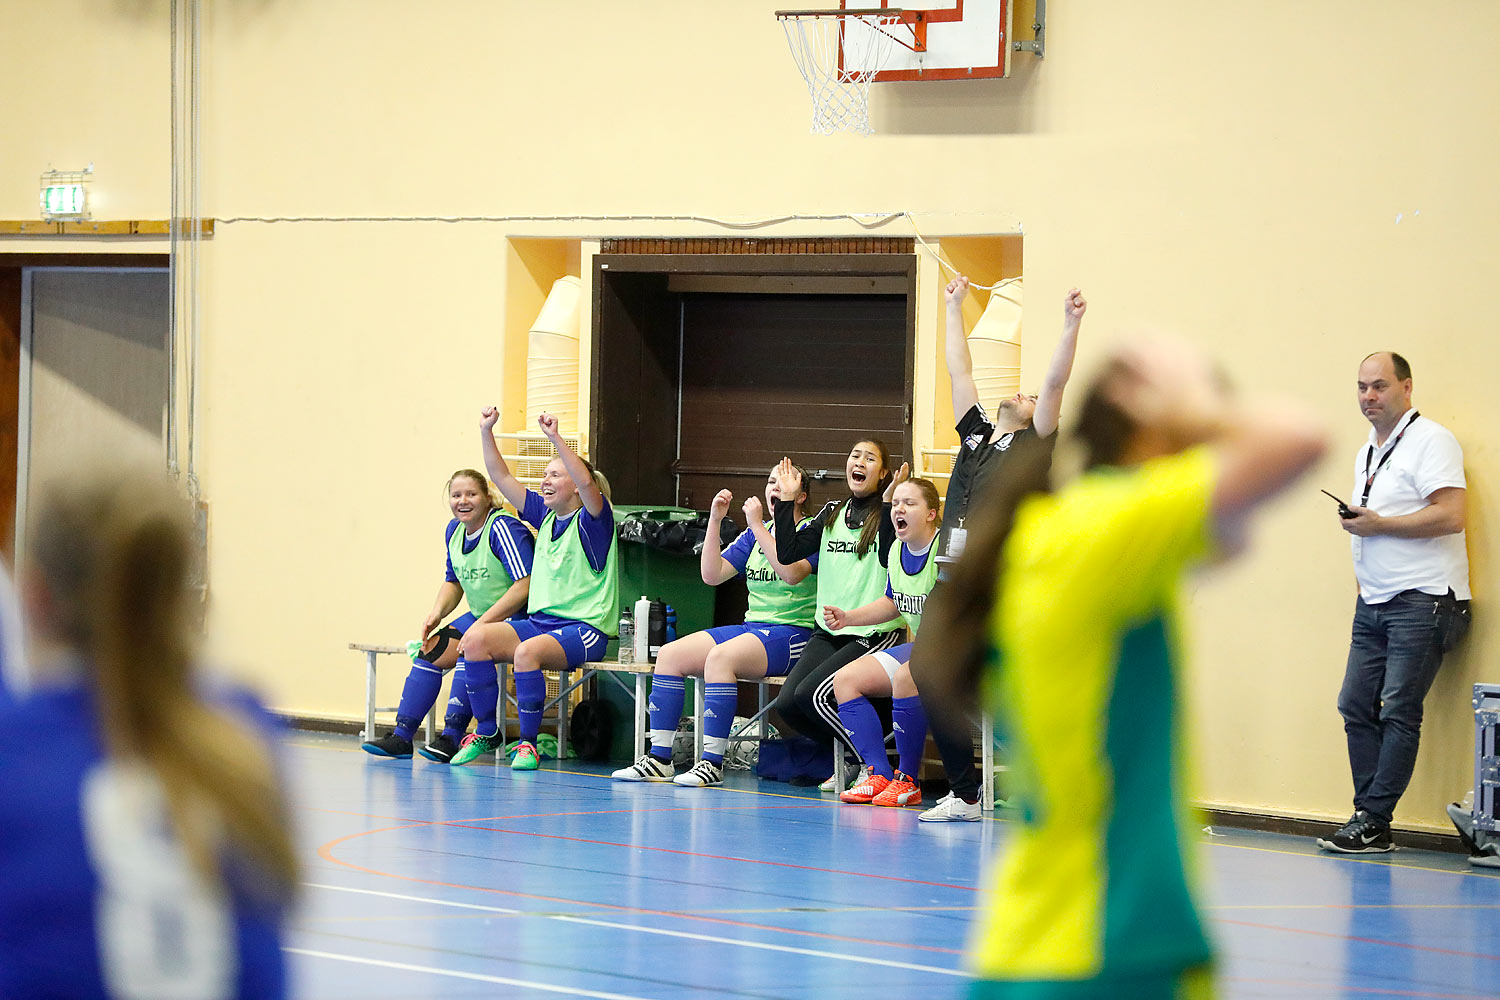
<point>707,368</point>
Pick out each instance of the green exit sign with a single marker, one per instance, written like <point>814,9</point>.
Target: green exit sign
<point>65,193</point>
<point>63,201</point>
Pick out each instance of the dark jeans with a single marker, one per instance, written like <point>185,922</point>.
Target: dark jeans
<point>1395,650</point>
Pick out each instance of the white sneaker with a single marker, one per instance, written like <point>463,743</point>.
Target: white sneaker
<point>648,768</point>
<point>951,809</point>
<point>704,774</point>
<point>830,785</point>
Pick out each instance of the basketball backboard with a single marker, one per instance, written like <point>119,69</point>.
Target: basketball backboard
<point>966,40</point>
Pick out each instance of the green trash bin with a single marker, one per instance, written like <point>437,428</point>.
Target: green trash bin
<point>663,576</point>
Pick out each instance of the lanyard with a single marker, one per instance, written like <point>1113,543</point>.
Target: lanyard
<point>1370,455</point>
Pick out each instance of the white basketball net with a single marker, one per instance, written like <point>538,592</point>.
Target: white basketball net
<point>840,94</point>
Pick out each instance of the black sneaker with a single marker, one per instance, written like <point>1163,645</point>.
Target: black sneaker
<point>441,749</point>
<point>1363,834</point>
<point>388,746</point>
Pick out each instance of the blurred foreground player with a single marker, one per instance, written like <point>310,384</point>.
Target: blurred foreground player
<point>148,854</point>
<point>1064,607</point>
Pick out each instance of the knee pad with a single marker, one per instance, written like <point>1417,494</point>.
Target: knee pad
<point>444,635</point>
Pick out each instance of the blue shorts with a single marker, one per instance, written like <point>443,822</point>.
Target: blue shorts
<point>463,622</point>
<point>784,643</point>
<point>893,659</point>
<point>581,643</point>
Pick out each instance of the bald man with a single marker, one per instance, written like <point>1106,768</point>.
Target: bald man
<point>1405,520</point>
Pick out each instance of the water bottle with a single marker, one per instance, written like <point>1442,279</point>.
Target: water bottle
<point>656,627</point>
<point>671,623</point>
<point>627,638</point>
<point>642,623</point>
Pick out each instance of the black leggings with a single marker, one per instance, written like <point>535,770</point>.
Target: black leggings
<point>800,704</point>
<point>954,740</point>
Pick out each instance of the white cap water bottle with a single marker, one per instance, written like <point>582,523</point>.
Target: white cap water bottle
<point>642,640</point>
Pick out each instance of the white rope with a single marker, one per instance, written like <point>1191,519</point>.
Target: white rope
<point>865,220</point>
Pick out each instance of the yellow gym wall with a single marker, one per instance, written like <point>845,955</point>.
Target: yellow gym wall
<point>1293,184</point>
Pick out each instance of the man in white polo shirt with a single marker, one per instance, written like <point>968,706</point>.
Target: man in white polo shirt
<point>1406,522</point>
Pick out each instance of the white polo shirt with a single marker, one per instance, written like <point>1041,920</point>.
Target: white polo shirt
<point>1428,458</point>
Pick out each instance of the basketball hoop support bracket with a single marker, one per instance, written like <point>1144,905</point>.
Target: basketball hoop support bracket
<point>1038,44</point>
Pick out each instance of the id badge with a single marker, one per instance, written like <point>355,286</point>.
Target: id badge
<point>1356,546</point>
<point>957,539</point>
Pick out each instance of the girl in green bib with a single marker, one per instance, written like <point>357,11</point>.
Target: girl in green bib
<point>911,571</point>
<point>489,565</point>
<point>850,538</point>
<point>574,601</point>
<point>783,606</point>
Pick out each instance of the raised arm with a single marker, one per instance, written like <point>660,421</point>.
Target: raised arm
<point>792,543</point>
<point>505,481</point>
<point>712,566</point>
<point>956,349</point>
<point>1262,448</point>
<point>755,518</point>
<point>588,490</point>
<point>1049,401</point>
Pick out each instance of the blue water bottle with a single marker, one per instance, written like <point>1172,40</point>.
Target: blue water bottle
<point>671,623</point>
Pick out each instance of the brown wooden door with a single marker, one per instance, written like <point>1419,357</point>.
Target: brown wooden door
<point>801,375</point>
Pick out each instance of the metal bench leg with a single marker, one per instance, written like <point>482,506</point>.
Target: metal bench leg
<point>502,708</point>
<point>564,683</point>
<point>640,714</point>
<point>760,704</point>
<point>697,718</point>
<point>987,759</point>
<point>369,733</point>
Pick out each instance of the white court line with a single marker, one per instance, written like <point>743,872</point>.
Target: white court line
<point>786,949</point>
<point>476,976</point>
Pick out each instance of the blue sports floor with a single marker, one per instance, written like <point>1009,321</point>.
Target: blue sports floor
<point>429,881</point>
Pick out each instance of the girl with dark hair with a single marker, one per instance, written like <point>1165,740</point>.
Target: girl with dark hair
<point>911,570</point>
<point>850,538</point>
<point>489,565</point>
<point>153,856</point>
<point>778,622</point>
<point>574,602</point>
<point>1065,606</point>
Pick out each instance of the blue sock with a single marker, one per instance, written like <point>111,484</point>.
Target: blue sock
<point>421,690</point>
<point>483,684</point>
<point>719,703</point>
<point>456,722</point>
<point>863,727</point>
<point>665,709</point>
<point>910,723</point>
<point>531,693</point>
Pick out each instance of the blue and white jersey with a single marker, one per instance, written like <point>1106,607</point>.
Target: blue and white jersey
<point>509,540</point>
<point>97,897</point>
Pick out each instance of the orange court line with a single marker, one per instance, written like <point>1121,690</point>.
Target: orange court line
<point>1355,937</point>
<point>712,857</point>
<point>326,853</point>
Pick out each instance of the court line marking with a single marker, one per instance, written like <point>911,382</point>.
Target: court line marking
<point>326,853</point>
<point>615,925</point>
<point>454,974</point>
<point>710,857</point>
<point>1361,990</point>
<point>1362,940</point>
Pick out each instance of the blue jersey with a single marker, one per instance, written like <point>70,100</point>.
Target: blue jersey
<point>97,898</point>
<point>510,543</point>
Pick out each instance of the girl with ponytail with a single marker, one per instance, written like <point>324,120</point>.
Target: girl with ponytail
<point>1062,614</point>
<point>149,854</point>
<point>850,538</point>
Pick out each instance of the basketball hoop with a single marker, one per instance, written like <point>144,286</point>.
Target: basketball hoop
<point>839,52</point>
